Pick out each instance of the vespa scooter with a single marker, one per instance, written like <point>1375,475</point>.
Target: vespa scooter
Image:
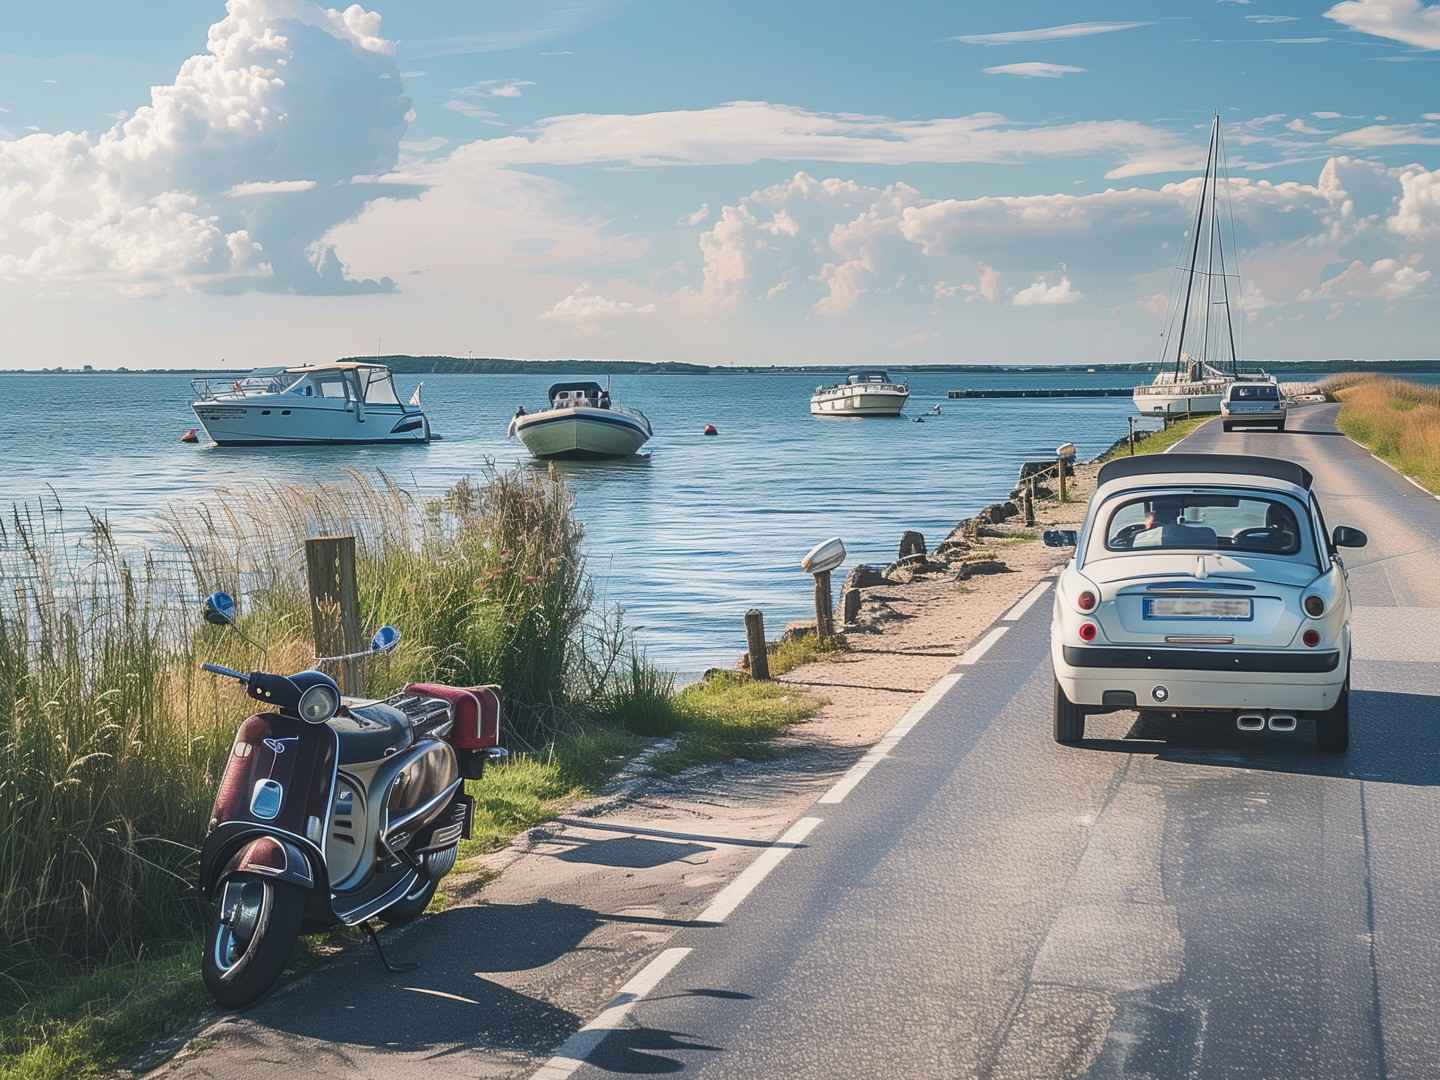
<point>332,810</point>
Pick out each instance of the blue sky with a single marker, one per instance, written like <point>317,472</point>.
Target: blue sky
<point>274,180</point>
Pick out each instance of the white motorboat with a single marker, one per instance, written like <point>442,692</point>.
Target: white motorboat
<point>863,393</point>
<point>581,422</point>
<point>316,404</point>
<point>1206,363</point>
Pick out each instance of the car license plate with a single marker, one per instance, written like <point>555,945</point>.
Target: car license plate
<point>1197,607</point>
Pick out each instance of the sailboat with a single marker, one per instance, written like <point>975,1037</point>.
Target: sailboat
<point>1204,361</point>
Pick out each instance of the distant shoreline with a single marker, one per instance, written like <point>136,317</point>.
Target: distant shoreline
<point>404,364</point>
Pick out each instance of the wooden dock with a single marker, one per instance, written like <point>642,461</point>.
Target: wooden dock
<point>1043,392</point>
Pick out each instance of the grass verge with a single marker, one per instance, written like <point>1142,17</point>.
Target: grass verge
<point>1157,442</point>
<point>1398,421</point>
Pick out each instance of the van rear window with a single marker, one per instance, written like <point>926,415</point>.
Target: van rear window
<point>1263,392</point>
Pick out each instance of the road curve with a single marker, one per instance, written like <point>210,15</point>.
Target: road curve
<point>1193,902</point>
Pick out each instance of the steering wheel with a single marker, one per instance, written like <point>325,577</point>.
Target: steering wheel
<point>1126,536</point>
<point>1265,534</point>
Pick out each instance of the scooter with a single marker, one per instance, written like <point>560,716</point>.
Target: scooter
<point>333,810</point>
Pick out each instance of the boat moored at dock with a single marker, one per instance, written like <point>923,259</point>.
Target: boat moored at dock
<point>311,405</point>
<point>581,421</point>
<point>863,393</point>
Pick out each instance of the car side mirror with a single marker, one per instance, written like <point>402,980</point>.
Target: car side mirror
<point>385,639</point>
<point>1059,538</point>
<point>1344,536</point>
<point>220,609</point>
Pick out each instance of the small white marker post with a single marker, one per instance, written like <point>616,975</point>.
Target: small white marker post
<point>818,562</point>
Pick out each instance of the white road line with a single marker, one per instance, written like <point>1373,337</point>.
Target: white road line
<point>1026,602</point>
<point>881,749</point>
<point>576,1050</point>
<point>730,897</point>
<point>1417,484</point>
<point>981,647</point>
<point>1393,469</point>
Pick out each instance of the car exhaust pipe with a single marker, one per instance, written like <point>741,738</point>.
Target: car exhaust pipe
<point>1250,722</point>
<point>1282,722</point>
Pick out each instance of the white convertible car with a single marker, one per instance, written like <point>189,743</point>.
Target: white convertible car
<point>1209,583</point>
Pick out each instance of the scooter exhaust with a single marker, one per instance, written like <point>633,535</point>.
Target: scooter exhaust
<point>1282,722</point>
<point>1250,722</point>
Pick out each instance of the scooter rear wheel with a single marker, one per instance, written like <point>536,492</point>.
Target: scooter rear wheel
<point>250,934</point>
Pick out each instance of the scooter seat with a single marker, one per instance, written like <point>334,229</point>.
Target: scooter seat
<point>370,730</point>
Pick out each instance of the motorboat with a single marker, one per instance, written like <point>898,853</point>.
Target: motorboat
<point>1205,362</point>
<point>581,421</point>
<point>315,404</point>
<point>863,393</point>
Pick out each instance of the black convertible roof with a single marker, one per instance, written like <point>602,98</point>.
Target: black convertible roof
<point>1234,464</point>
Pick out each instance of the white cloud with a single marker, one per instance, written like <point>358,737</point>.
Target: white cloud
<point>1389,135</point>
<point>1326,115</point>
<point>584,306</point>
<point>287,89</point>
<point>1384,279</point>
<point>744,132</point>
<point>1297,40</point>
<point>1407,21</point>
<point>1266,20</point>
<point>1048,33</point>
<point>1041,292</point>
<point>1417,214</point>
<point>1430,116</point>
<point>1301,128</point>
<point>470,109</point>
<point>698,216</point>
<point>495,88</point>
<point>1035,70</point>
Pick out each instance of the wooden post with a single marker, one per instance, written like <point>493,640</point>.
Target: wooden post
<point>1187,408</point>
<point>851,600</point>
<point>1131,421</point>
<point>1027,499</point>
<point>755,642</point>
<point>1060,467</point>
<point>824,606</point>
<point>335,603</point>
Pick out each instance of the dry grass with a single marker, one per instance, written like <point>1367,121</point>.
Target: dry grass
<point>1399,421</point>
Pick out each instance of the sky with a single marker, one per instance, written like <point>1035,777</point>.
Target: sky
<point>197,183</point>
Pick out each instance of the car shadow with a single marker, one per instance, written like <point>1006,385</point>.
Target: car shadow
<point>1394,739</point>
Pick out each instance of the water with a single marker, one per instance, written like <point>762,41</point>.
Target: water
<point>686,538</point>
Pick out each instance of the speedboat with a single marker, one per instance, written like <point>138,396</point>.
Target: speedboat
<point>1194,387</point>
<point>863,393</point>
<point>315,404</point>
<point>580,421</point>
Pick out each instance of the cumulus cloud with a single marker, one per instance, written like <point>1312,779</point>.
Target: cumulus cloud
<point>1048,33</point>
<point>494,88</point>
<point>1385,279</point>
<point>1035,70</point>
<point>584,306</point>
<point>1266,20</point>
<point>1389,135</point>
<point>198,187</point>
<point>1042,293</point>
<point>1407,21</point>
<point>698,216</point>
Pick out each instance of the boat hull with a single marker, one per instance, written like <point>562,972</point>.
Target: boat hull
<point>870,403</point>
<point>581,433</point>
<point>1177,404</point>
<point>278,423</point>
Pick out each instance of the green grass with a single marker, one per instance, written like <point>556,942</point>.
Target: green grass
<point>1159,441</point>
<point>786,656</point>
<point>1398,421</point>
<point>732,716</point>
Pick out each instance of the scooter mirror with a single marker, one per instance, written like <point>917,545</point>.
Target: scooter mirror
<point>385,639</point>
<point>220,609</point>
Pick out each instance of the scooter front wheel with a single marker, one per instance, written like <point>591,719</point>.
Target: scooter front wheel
<point>250,934</point>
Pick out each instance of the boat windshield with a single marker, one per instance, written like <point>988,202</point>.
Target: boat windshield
<point>379,387</point>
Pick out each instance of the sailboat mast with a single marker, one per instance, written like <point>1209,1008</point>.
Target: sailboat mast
<point>1195,247</point>
<point>1210,271</point>
<point>1225,281</point>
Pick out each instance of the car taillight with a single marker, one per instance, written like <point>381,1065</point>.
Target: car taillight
<point>1311,638</point>
<point>1088,630</point>
<point>1314,606</point>
<point>1086,601</point>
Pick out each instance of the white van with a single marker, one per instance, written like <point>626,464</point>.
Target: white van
<point>1258,403</point>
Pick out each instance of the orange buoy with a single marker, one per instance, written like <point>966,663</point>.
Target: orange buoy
<point>710,430</point>
<point>193,435</point>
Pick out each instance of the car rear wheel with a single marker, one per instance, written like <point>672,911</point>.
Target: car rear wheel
<point>1280,426</point>
<point>1069,719</point>
<point>1332,727</point>
<point>1225,424</point>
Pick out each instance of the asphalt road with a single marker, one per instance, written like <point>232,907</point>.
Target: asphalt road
<point>1157,903</point>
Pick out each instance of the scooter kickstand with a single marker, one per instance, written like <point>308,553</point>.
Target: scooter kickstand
<point>394,969</point>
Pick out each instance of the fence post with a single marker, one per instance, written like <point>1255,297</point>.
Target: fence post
<point>1060,468</point>
<point>335,603</point>
<point>824,606</point>
<point>1131,421</point>
<point>1027,498</point>
<point>755,642</point>
<point>851,600</point>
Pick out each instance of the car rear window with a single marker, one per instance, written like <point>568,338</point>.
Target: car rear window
<point>1205,521</point>
<point>1254,393</point>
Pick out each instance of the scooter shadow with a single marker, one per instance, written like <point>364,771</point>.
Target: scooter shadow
<point>1394,739</point>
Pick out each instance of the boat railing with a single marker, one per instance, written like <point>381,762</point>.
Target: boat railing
<point>210,389</point>
<point>1204,386</point>
<point>888,387</point>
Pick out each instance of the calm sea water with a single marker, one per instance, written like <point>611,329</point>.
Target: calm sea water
<point>686,538</point>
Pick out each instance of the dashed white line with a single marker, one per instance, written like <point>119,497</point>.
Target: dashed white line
<point>981,647</point>
<point>576,1050</point>
<point>730,897</point>
<point>1026,602</point>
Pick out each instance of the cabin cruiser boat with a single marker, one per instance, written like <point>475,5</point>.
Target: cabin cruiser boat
<point>1205,364</point>
<point>316,404</point>
<point>581,422</point>
<point>863,393</point>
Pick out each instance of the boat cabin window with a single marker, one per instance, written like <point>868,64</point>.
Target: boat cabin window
<point>333,386</point>
<point>380,389</point>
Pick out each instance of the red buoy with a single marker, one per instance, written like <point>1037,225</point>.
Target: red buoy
<point>193,435</point>
<point>710,430</point>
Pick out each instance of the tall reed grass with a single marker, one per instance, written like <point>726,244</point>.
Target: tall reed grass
<point>1398,420</point>
<point>111,739</point>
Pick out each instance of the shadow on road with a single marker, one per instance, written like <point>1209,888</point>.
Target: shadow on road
<point>1394,739</point>
<point>639,1051</point>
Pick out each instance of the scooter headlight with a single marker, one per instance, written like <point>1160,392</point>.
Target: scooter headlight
<point>318,704</point>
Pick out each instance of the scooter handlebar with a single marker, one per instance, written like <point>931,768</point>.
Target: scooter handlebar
<point>229,673</point>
